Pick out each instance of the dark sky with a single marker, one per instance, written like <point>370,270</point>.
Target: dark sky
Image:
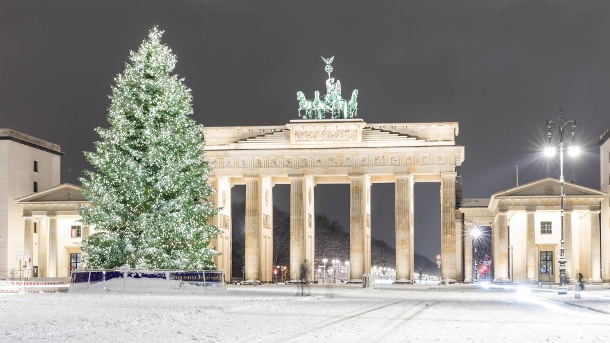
<point>498,68</point>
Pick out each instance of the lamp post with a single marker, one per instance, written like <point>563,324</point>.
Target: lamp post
<point>560,124</point>
<point>324,260</point>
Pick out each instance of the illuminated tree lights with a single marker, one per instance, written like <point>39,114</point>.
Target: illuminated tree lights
<point>149,190</point>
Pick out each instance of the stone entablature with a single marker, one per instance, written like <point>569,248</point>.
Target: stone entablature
<point>336,147</point>
<point>352,132</point>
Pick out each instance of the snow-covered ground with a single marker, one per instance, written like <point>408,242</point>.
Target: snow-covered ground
<point>333,313</point>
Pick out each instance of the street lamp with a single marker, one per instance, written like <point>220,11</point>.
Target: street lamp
<point>324,260</point>
<point>560,124</point>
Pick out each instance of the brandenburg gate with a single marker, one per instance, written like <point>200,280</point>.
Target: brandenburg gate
<point>342,149</point>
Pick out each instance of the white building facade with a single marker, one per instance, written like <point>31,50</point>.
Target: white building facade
<point>526,231</point>
<point>27,165</point>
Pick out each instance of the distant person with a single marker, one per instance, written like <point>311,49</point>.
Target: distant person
<point>419,275</point>
<point>304,273</point>
<point>581,285</point>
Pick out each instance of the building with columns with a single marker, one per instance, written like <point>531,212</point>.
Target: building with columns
<point>525,226</point>
<point>305,153</point>
<point>52,231</point>
<point>604,178</point>
<point>27,165</point>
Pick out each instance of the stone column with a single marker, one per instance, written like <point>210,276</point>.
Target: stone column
<point>404,227</point>
<point>468,264</point>
<point>459,243</point>
<point>301,223</point>
<point>568,244</point>
<point>253,229</point>
<point>52,250</point>
<point>595,249</point>
<point>43,246</point>
<point>530,248</point>
<point>28,243</point>
<point>360,230</point>
<point>448,230</point>
<point>223,243</point>
<point>500,248</point>
<point>266,245</point>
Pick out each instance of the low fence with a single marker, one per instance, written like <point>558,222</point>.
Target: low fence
<point>155,281</point>
<point>30,286</point>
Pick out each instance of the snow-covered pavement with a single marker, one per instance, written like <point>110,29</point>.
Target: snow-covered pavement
<point>342,313</point>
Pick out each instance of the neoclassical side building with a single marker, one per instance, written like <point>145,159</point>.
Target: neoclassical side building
<point>525,226</point>
<point>27,165</point>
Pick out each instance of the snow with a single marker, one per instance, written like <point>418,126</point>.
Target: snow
<point>332,313</point>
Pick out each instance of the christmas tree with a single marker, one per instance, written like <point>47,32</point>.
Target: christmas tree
<point>149,192</point>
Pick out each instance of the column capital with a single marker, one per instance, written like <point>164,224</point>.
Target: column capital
<point>449,174</point>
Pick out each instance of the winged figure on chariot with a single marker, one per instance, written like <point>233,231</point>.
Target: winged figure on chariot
<point>331,103</point>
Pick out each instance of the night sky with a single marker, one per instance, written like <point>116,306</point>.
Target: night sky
<point>498,68</point>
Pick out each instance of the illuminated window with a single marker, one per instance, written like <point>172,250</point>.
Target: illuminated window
<point>546,227</point>
<point>76,231</point>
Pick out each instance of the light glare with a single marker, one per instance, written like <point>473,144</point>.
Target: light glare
<point>475,232</point>
<point>574,151</point>
<point>549,151</point>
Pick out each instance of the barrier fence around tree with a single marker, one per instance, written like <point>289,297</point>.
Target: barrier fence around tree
<point>189,281</point>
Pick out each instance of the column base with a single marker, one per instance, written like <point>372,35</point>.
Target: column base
<point>403,282</point>
<point>595,281</point>
<point>468,281</point>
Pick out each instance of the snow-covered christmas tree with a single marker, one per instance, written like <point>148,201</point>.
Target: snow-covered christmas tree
<point>149,190</point>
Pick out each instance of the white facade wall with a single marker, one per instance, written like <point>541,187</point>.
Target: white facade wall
<point>17,176</point>
<point>604,166</point>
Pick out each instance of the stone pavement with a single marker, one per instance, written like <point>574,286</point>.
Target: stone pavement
<point>594,297</point>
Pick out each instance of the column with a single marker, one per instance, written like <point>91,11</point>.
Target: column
<point>459,243</point>
<point>301,223</point>
<point>266,246</point>
<point>448,230</point>
<point>43,246</point>
<point>360,222</point>
<point>28,244</point>
<point>595,249</point>
<point>468,263</point>
<point>223,243</point>
<point>253,229</point>
<point>530,247</point>
<point>404,227</point>
<point>568,244</point>
<point>52,250</point>
<point>500,248</point>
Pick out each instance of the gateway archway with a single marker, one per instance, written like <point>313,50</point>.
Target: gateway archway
<point>305,153</point>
